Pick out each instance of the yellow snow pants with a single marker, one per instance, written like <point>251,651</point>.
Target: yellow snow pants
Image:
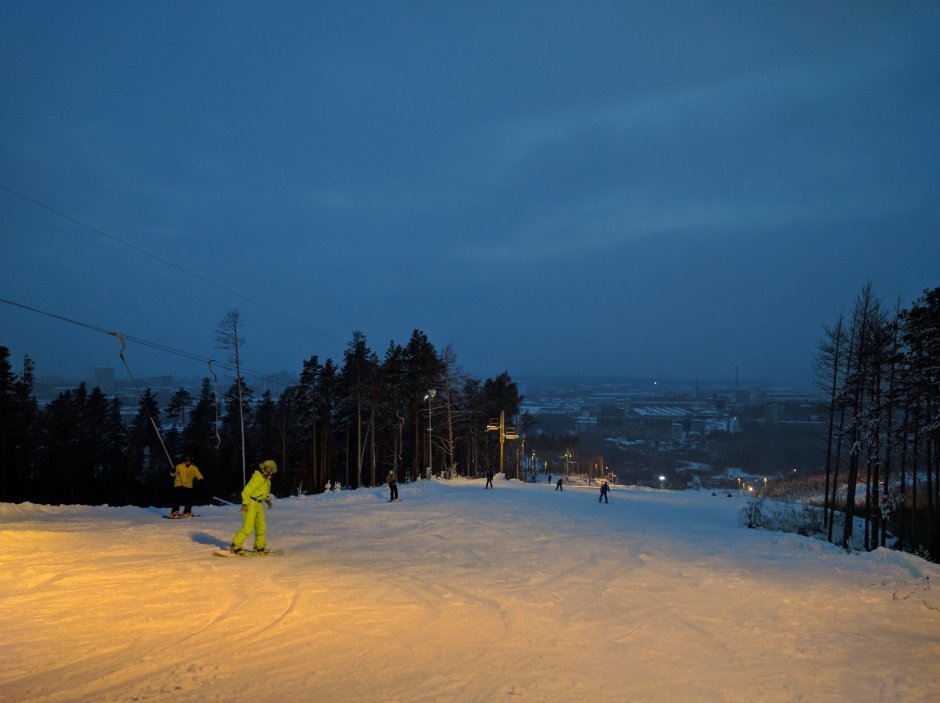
<point>256,522</point>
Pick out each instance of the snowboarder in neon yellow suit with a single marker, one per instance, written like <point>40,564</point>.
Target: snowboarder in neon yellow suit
<point>256,492</point>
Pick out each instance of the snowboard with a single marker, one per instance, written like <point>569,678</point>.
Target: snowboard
<point>179,517</point>
<point>394,500</point>
<point>229,553</point>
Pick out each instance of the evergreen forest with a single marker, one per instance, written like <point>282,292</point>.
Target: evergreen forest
<point>344,424</point>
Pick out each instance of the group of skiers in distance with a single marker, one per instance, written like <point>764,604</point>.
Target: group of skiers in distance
<point>559,486</point>
<point>257,493</point>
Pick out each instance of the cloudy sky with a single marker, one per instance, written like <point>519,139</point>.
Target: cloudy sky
<point>662,189</point>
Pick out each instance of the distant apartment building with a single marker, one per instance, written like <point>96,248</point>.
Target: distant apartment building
<point>103,378</point>
<point>664,421</point>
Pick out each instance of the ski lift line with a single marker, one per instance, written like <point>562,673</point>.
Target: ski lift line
<point>153,421</point>
<point>96,328</point>
<point>182,269</point>
<point>100,231</point>
<point>137,340</point>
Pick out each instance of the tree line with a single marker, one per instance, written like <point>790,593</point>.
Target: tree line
<point>880,367</point>
<point>345,423</point>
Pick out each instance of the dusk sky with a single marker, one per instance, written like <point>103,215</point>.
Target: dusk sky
<point>635,189</point>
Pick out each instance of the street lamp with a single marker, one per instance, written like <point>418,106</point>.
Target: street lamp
<point>430,394</point>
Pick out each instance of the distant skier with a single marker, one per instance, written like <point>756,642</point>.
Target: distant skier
<point>392,485</point>
<point>559,486</point>
<point>255,492</point>
<point>183,476</point>
<point>605,489</point>
<point>489,479</point>
<point>549,478</point>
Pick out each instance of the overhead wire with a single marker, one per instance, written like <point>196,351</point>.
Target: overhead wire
<point>153,420</point>
<point>143,342</point>
<point>156,257</point>
<point>239,371</point>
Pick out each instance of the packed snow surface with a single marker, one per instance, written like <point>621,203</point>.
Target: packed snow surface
<point>456,593</point>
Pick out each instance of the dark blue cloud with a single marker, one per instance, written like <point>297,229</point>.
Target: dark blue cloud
<point>619,188</point>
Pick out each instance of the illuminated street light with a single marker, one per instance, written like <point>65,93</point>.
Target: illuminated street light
<point>430,394</point>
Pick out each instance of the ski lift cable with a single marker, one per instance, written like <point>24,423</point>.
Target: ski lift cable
<point>137,340</point>
<point>167,262</point>
<point>153,421</point>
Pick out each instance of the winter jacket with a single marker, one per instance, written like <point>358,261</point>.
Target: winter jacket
<point>257,489</point>
<point>184,475</point>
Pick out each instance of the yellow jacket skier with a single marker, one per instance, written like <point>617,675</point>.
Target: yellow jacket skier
<point>183,476</point>
<point>256,492</point>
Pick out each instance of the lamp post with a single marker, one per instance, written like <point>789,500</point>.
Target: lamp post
<point>430,394</point>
